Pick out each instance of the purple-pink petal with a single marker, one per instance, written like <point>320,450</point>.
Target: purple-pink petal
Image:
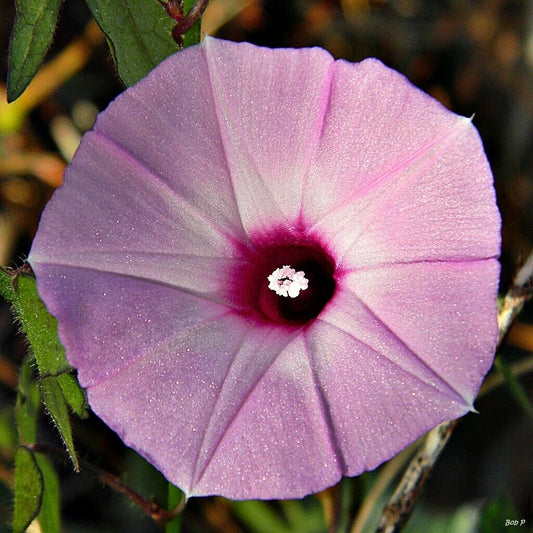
<point>388,168</point>
<point>269,130</point>
<point>109,321</point>
<point>280,445</point>
<point>230,161</point>
<point>422,303</point>
<point>373,405</point>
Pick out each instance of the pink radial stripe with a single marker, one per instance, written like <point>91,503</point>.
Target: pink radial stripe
<point>270,131</point>
<point>424,303</point>
<point>169,124</point>
<point>259,349</point>
<point>159,398</point>
<point>402,218</point>
<point>374,405</point>
<point>205,277</point>
<point>374,121</point>
<point>349,315</point>
<point>205,414</point>
<point>114,320</point>
<point>279,446</point>
<point>147,217</point>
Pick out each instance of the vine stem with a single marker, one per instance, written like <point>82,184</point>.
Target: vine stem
<point>159,514</point>
<point>401,504</point>
<point>184,22</point>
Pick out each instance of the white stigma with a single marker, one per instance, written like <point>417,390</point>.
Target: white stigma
<point>286,281</point>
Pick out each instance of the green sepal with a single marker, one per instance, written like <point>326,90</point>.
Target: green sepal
<point>74,395</point>
<point>59,389</point>
<point>39,326</point>
<point>57,407</point>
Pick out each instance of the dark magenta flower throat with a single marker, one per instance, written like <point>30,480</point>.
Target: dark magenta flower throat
<point>288,278</point>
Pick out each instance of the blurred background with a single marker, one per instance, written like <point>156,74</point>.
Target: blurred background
<point>476,57</point>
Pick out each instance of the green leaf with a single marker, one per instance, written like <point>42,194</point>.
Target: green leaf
<point>49,515</point>
<point>28,490</point>
<point>57,407</point>
<point>58,387</point>
<point>28,402</point>
<point>39,326</point>
<point>74,394</point>
<point>31,37</point>
<point>138,34</point>
<point>514,386</point>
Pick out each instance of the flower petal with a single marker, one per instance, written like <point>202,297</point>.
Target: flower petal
<point>270,105</point>
<point>168,123</point>
<point>235,430</point>
<point>279,445</point>
<point>375,407</point>
<point>444,312</point>
<point>351,316</point>
<point>111,201</point>
<point>376,120</point>
<point>162,403</point>
<point>408,179</point>
<point>109,321</point>
<point>138,227</point>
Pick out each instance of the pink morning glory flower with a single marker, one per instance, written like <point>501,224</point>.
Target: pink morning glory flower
<point>272,269</point>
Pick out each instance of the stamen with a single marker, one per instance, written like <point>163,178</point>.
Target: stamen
<point>286,281</point>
